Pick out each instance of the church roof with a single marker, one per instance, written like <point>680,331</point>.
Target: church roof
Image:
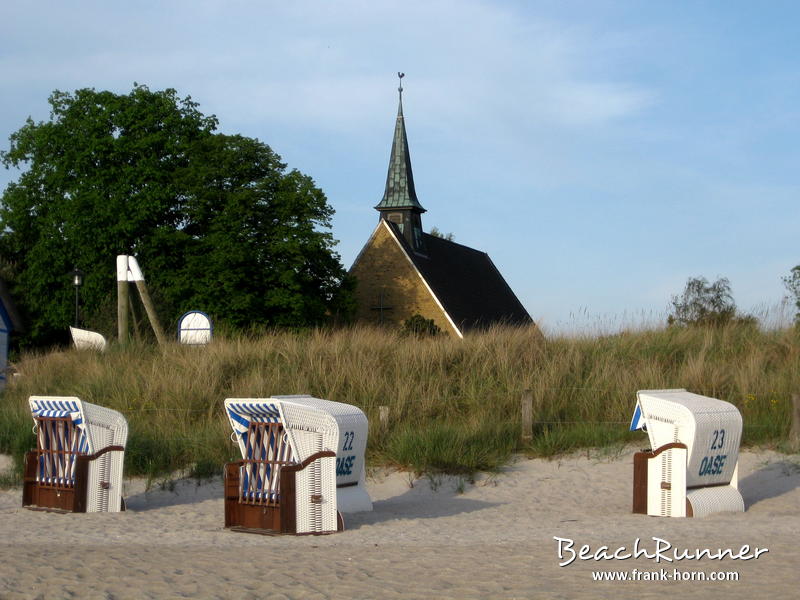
<point>400,192</point>
<point>465,281</point>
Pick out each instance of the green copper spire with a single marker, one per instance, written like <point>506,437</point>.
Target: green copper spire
<point>400,192</point>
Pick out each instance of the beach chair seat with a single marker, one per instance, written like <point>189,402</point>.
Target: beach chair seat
<point>691,469</point>
<point>79,455</point>
<point>294,477</point>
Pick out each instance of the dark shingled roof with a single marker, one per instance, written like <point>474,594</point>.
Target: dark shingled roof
<point>466,282</point>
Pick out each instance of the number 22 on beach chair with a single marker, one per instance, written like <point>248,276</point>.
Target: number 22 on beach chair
<point>302,465</point>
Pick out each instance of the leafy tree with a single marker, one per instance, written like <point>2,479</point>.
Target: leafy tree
<point>703,303</point>
<point>792,283</point>
<point>216,221</point>
<point>445,236</point>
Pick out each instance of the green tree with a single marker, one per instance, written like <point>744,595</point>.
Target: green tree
<point>445,236</point>
<point>792,283</point>
<point>703,303</point>
<point>217,221</point>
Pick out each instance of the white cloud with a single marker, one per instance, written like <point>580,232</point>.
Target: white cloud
<point>582,103</point>
<point>329,66</point>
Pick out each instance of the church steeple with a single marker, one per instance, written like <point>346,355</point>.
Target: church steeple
<point>399,203</point>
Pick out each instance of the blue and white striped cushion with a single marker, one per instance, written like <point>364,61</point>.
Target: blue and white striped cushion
<point>62,472</point>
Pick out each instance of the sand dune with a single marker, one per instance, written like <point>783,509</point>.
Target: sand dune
<point>438,537</point>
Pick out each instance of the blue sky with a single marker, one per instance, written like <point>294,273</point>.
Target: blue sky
<point>600,152</point>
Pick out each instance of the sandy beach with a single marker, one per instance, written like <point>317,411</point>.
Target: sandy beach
<point>439,537</point>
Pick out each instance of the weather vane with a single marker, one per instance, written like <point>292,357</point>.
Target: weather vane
<point>400,89</point>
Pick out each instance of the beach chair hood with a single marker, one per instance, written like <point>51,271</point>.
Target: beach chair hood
<point>63,407</point>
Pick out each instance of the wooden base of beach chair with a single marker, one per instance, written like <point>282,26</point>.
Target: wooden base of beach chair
<point>270,532</point>
<point>269,517</point>
<point>59,497</point>
<point>640,479</point>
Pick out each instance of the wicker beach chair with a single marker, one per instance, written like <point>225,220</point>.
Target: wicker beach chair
<point>691,469</point>
<point>88,340</point>
<point>77,464</point>
<point>302,465</point>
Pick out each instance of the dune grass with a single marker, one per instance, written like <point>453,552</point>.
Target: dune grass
<point>454,405</point>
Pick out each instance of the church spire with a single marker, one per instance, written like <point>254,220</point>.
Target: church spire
<point>399,204</point>
<point>400,192</point>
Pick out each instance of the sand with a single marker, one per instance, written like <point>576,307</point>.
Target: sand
<point>439,537</point>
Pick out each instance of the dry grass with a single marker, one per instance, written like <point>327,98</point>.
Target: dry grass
<point>454,404</point>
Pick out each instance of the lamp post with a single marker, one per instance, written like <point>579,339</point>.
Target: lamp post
<point>77,281</point>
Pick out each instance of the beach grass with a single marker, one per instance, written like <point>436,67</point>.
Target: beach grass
<point>453,405</point>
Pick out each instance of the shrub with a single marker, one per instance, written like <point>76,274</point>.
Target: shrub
<point>419,326</point>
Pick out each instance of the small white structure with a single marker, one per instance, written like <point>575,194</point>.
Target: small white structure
<point>320,441</point>
<point>77,465</point>
<point>128,271</point>
<point>88,340</point>
<point>692,467</point>
<point>194,328</point>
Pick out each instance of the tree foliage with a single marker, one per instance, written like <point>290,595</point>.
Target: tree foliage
<point>217,221</point>
<point>792,283</point>
<point>440,234</point>
<point>419,326</point>
<point>703,303</point>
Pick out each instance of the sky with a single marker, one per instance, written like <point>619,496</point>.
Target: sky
<point>601,153</point>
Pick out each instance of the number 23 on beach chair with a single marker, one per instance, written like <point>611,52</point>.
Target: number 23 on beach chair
<point>691,469</point>
<point>302,465</point>
<point>77,464</point>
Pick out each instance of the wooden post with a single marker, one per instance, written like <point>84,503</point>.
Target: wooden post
<point>134,320</point>
<point>122,298</point>
<point>794,434</point>
<point>384,416</point>
<point>527,417</point>
<point>122,311</point>
<point>151,311</point>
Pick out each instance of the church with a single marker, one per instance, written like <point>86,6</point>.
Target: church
<point>402,271</point>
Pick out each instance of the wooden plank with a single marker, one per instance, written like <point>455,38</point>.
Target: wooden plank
<point>527,417</point>
<point>122,311</point>
<point>151,311</point>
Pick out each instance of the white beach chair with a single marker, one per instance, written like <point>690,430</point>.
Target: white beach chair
<point>88,340</point>
<point>302,464</point>
<point>77,464</point>
<point>692,467</point>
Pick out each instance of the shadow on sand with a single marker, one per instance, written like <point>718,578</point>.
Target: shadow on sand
<point>173,492</point>
<point>771,481</point>
<point>428,498</point>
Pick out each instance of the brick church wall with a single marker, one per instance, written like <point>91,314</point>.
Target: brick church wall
<point>383,267</point>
